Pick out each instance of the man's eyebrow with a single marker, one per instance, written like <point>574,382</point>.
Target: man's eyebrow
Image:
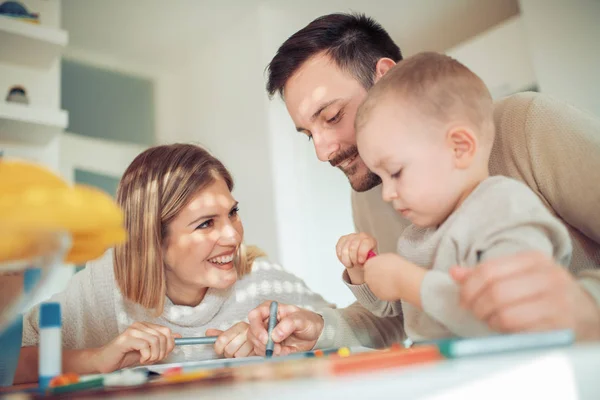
<point>320,110</point>
<point>317,113</point>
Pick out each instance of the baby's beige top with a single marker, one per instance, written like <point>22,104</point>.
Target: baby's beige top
<point>94,312</point>
<point>500,217</point>
<point>547,144</point>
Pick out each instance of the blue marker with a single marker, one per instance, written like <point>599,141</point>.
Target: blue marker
<point>272,323</point>
<point>50,363</point>
<point>499,344</point>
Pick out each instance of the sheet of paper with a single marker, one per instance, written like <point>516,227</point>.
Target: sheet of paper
<point>547,377</point>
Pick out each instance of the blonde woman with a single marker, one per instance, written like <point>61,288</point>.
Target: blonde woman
<point>183,272</point>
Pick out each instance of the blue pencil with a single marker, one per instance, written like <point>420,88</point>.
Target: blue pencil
<point>195,340</point>
<point>272,323</point>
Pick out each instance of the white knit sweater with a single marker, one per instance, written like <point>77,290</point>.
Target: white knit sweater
<point>94,311</point>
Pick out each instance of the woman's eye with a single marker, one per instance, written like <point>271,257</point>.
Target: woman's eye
<point>206,224</point>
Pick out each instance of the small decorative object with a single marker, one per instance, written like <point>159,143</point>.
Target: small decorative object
<point>17,94</point>
<point>15,9</point>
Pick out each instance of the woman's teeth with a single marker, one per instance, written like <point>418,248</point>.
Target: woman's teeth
<point>222,259</point>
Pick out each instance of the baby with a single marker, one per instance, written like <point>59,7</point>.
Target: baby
<point>426,128</point>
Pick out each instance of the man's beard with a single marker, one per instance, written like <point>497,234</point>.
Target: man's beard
<point>367,181</point>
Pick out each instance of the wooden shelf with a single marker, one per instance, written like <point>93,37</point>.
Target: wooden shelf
<point>23,124</point>
<point>29,44</point>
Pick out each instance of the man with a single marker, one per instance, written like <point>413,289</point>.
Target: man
<point>323,72</point>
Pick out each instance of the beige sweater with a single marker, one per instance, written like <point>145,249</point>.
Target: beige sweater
<point>549,145</point>
<point>94,312</point>
<point>501,216</point>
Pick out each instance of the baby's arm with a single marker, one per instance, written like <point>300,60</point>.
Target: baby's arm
<point>440,294</point>
<point>522,224</point>
<point>392,278</point>
<point>353,251</point>
<point>370,301</point>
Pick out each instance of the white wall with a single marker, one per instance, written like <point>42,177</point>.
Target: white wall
<point>312,199</point>
<point>221,108</point>
<point>500,57</point>
<point>563,38</point>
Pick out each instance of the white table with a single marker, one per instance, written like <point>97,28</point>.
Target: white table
<point>557,374</point>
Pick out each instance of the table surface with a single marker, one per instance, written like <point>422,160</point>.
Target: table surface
<point>568,373</point>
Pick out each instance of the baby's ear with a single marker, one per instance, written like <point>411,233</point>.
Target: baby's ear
<point>463,143</point>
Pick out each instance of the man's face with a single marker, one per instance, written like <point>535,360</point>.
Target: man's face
<point>322,101</point>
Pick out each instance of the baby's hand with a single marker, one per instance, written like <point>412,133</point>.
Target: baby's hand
<point>352,251</point>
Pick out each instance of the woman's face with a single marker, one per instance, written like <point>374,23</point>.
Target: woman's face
<point>202,240</point>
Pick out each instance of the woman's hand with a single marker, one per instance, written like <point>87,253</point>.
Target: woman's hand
<point>233,343</point>
<point>142,343</point>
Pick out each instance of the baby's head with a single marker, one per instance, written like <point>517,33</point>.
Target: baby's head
<point>426,128</point>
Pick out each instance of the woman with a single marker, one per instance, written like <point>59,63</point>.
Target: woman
<point>183,272</point>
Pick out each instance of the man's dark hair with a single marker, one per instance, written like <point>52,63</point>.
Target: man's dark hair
<point>354,41</point>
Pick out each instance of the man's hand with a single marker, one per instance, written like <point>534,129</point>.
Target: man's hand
<point>528,292</point>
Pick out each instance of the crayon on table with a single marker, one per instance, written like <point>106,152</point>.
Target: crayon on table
<point>272,323</point>
<point>195,340</point>
<point>94,383</point>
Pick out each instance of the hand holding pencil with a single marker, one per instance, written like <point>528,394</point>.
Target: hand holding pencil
<point>232,343</point>
<point>141,343</point>
<point>296,330</point>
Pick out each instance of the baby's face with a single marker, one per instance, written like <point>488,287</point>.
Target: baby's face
<point>414,160</point>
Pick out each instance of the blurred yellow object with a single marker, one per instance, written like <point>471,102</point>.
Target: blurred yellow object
<point>34,201</point>
<point>17,176</point>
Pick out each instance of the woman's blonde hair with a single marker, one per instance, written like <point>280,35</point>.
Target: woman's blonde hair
<point>154,189</point>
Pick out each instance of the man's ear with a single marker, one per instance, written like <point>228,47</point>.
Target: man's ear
<point>382,67</point>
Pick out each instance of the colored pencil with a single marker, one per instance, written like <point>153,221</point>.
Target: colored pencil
<point>195,340</point>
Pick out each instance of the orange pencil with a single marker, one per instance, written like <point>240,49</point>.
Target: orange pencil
<point>372,361</point>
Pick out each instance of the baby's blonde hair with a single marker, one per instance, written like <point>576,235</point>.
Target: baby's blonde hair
<point>439,87</point>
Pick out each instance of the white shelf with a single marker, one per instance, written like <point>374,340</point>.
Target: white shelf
<point>29,44</point>
<point>23,124</point>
